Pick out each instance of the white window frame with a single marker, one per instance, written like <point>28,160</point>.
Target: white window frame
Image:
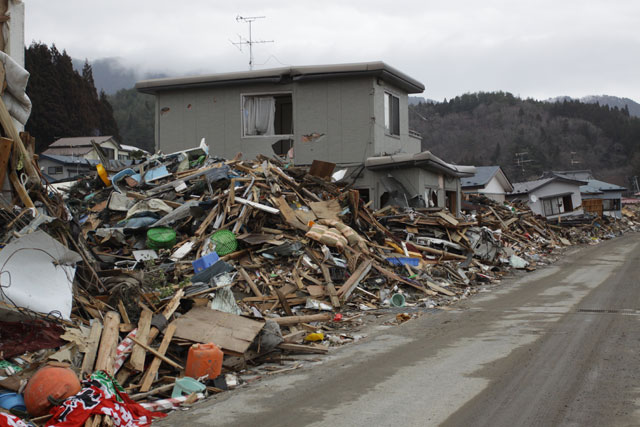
<point>388,114</point>
<point>276,93</point>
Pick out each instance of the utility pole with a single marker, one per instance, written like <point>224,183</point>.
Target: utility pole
<point>249,42</point>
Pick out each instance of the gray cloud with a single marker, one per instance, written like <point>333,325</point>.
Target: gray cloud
<point>532,48</point>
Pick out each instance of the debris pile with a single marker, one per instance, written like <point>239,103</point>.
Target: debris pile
<point>185,275</point>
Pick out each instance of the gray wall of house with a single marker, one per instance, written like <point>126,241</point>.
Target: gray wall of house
<point>553,189</point>
<point>384,143</point>
<point>338,109</point>
<point>348,113</point>
<point>608,195</point>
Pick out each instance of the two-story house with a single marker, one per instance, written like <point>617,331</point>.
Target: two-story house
<point>353,115</point>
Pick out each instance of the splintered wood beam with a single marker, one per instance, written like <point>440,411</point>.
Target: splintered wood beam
<point>149,376</point>
<point>331,289</point>
<point>138,353</point>
<point>108,343</point>
<point>250,282</point>
<point>363,269</point>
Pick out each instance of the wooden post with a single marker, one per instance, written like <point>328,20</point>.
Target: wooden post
<point>108,343</point>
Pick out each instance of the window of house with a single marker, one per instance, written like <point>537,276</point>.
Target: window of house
<point>391,114</point>
<point>109,152</point>
<point>267,115</point>
<point>123,157</point>
<point>54,170</point>
<point>557,205</point>
<point>611,204</point>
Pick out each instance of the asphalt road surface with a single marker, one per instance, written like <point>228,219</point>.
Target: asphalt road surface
<point>560,346</point>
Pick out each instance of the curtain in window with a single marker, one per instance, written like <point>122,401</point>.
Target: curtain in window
<point>259,115</point>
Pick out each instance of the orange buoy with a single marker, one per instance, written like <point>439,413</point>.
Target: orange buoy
<point>204,359</point>
<point>49,381</point>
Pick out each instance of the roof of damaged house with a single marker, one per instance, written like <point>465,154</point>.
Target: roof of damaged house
<point>529,186</point>
<point>595,186</point>
<point>483,175</point>
<point>424,160</point>
<point>69,160</point>
<point>82,141</point>
<point>286,75</point>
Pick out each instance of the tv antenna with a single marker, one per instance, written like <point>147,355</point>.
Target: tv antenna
<point>573,159</point>
<point>521,159</point>
<point>249,42</point>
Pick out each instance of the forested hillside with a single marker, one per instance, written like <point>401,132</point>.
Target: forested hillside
<point>527,137</point>
<point>133,112</point>
<point>65,102</point>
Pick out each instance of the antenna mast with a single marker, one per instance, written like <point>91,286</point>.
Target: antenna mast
<point>250,42</point>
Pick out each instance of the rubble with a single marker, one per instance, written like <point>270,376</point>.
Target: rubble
<point>125,272</point>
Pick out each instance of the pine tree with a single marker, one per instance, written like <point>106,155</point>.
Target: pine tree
<point>65,102</point>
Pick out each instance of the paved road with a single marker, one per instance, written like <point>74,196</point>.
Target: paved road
<point>560,346</point>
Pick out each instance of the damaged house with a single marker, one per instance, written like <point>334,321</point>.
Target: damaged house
<point>352,115</point>
<point>598,197</point>
<point>553,196</point>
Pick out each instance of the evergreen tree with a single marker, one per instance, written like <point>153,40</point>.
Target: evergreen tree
<point>65,103</point>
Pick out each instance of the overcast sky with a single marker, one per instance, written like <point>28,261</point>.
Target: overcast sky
<point>538,49</point>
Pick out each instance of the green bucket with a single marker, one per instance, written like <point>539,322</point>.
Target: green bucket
<point>225,242</point>
<point>161,238</point>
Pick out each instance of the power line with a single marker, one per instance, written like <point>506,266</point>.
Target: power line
<point>249,42</point>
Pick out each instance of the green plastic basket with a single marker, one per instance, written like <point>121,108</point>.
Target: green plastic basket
<point>225,242</point>
<point>161,238</point>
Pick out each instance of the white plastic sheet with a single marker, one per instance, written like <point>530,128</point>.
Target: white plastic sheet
<point>36,272</point>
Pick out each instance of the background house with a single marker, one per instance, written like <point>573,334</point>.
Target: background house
<point>56,168</point>
<point>598,197</point>
<point>345,114</point>
<point>490,181</point>
<point>82,147</point>
<point>553,197</point>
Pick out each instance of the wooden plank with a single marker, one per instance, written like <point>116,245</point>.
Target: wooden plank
<point>250,282</point>
<point>321,169</point>
<point>440,289</point>
<point>288,215</point>
<point>294,320</point>
<point>108,343</point>
<point>92,348</point>
<point>7,124</point>
<point>232,333</point>
<point>391,275</point>
<point>283,302</point>
<point>310,278</point>
<point>301,348</point>
<point>136,361</point>
<point>168,311</point>
<point>157,354</point>
<point>150,375</point>
<point>451,220</point>
<point>123,312</point>
<point>5,153</point>
<point>363,269</point>
<point>331,289</point>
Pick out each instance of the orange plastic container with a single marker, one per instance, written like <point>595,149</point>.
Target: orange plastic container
<point>50,381</point>
<point>204,359</point>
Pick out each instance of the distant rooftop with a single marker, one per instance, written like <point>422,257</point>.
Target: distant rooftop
<point>595,186</point>
<point>80,141</point>
<point>285,75</point>
<point>528,186</point>
<point>69,160</point>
